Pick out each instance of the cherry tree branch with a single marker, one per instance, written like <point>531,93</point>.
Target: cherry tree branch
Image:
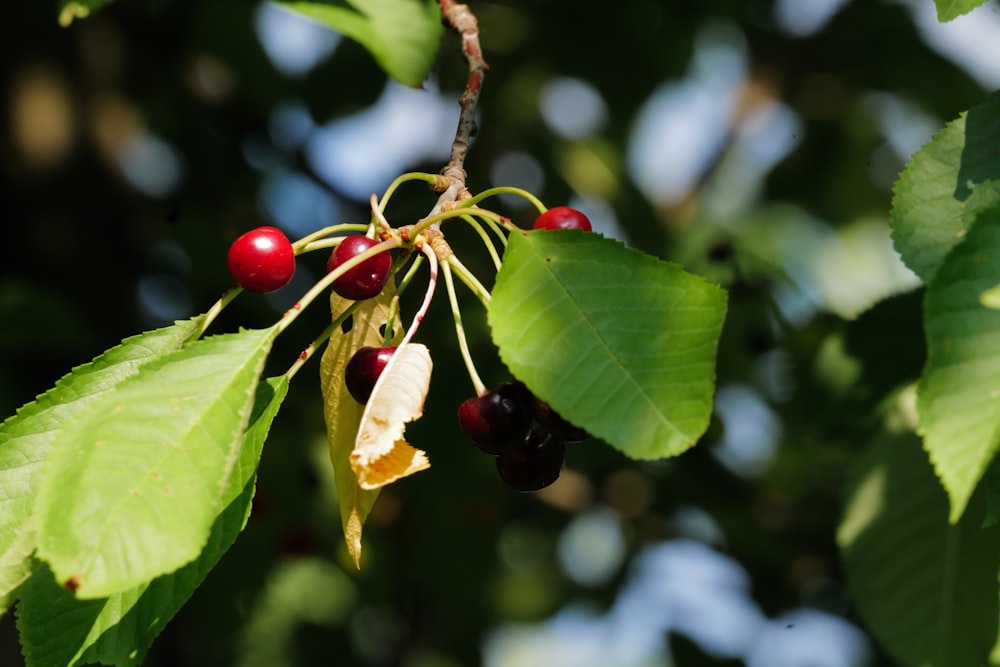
<point>463,21</point>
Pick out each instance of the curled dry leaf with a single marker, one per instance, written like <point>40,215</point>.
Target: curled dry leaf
<point>343,413</point>
<point>381,455</point>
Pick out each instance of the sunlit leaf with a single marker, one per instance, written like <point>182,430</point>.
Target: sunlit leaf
<point>381,455</point>
<point>402,35</point>
<point>343,413</point>
<point>945,185</point>
<point>27,437</point>
<point>949,9</point>
<point>131,489</point>
<point>69,10</point>
<point>59,629</point>
<point>926,588</point>
<point>616,341</point>
<point>959,394</point>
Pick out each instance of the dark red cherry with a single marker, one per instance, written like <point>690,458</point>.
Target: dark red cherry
<point>535,464</point>
<point>364,369</point>
<point>262,260</point>
<point>497,420</point>
<point>563,217</point>
<point>367,278</point>
<point>553,421</point>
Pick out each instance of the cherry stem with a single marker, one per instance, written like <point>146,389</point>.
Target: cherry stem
<point>308,243</point>
<point>470,280</point>
<point>463,343</point>
<point>433,220</point>
<point>505,190</point>
<point>428,295</point>
<point>308,352</point>
<point>487,240</point>
<point>292,313</point>
<point>214,311</point>
<point>431,179</point>
<point>378,215</point>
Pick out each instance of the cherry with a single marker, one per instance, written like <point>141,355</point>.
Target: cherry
<point>535,464</point>
<point>364,369</point>
<point>367,278</point>
<point>262,260</point>
<point>563,217</point>
<point>497,420</point>
<point>554,422</point>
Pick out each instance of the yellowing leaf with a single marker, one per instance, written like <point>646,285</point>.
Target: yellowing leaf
<point>381,455</point>
<point>343,413</point>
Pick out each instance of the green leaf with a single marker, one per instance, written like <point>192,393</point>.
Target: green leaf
<point>959,394</point>
<point>616,341</point>
<point>59,629</point>
<point>926,589</point>
<point>949,9</point>
<point>131,489</point>
<point>402,35</point>
<point>77,9</point>
<point>27,437</point>
<point>945,185</point>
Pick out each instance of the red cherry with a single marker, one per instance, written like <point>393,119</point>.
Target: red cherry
<point>367,278</point>
<point>499,419</point>
<point>364,369</point>
<point>556,423</point>
<point>262,260</point>
<point>563,217</point>
<point>535,464</point>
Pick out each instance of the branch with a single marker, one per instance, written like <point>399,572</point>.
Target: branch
<point>463,21</point>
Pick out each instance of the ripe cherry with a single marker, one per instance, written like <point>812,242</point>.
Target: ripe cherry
<point>497,420</point>
<point>364,369</point>
<point>554,422</point>
<point>262,260</point>
<point>535,464</point>
<point>367,278</point>
<point>563,217</point>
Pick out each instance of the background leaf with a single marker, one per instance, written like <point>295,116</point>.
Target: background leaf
<point>949,9</point>
<point>959,394</point>
<point>342,413</point>
<point>131,490</point>
<point>69,10</point>
<point>616,341</point>
<point>945,185</point>
<point>58,628</point>
<point>27,437</point>
<point>402,35</point>
<point>927,589</point>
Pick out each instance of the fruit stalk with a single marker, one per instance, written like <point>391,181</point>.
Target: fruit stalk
<point>463,343</point>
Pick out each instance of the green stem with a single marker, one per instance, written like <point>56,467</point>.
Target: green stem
<point>505,190</point>
<point>463,343</point>
<point>470,280</point>
<point>430,179</point>
<point>305,244</point>
<point>487,241</point>
<point>454,213</point>
<point>216,308</point>
<point>307,353</point>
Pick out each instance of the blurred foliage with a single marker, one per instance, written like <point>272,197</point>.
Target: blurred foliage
<point>450,554</point>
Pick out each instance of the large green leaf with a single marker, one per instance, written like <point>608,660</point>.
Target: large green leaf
<point>959,394</point>
<point>131,489</point>
<point>402,35</point>
<point>59,629</point>
<point>949,9</point>
<point>927,589</point>
<point>27,437</point>
<point>616,341</point>
<point>945,185</point>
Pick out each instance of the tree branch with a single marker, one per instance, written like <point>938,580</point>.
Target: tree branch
<point>463,21</point>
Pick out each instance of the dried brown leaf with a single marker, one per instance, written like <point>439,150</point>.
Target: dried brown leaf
<point>381,455</point>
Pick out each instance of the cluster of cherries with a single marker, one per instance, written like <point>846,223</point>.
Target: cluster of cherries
<point>525,435</point>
